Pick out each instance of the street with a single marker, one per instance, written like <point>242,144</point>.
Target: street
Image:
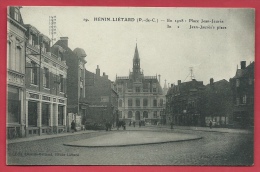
<point>215,148</point>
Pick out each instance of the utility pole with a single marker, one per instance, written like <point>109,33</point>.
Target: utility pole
<point>52,28</point>
<point>191,73</point>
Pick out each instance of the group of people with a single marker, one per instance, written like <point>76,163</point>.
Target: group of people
<point>140,123</point>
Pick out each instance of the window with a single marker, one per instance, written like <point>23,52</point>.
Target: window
<point>16,14</point>
<point>60,115</point>
<point>137,89</point>
<point>46,78</point>
<point>32,113</point>
<point>61,83</point>
<point>154,90</point>
<point>161,102</point>
<point>155,114</point>
<point>45,114</point>
<point>237,83</point>
<point>14,105</point>
<point>154,102</point>
<point>137,102</point>
<point>130,114</point>
<point>120,103</point>
<point>18,58</point>
<point>31,41</point>
<point>34,73</point>
<point>244,99</point>
<point>145,102</point>
<point>9,54</point>
<point>145,114</point>
<point>130,102</point>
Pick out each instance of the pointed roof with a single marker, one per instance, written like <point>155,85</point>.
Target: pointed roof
<point>136,56</point>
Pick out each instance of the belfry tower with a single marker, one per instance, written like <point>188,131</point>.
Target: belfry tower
<point>136,64</point>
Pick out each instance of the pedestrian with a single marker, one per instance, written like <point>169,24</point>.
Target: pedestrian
<point>73,126</point>
<point>130,123</point>
<point>210,124</point>
<point>171,125</point>
<point>139,124</point>
<point>134,123</point>
<point>123,125</point>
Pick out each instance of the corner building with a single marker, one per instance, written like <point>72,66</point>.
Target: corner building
<point>140,97</point>
<point>15,73</point>
<point>45,80</point>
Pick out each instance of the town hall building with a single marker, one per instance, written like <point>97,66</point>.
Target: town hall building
<point>140,97</point>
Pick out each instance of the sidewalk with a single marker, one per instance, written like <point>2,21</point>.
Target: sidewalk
<point>206,129</point>
<point>33,138</point>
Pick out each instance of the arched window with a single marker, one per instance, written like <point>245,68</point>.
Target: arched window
<point>130,114</point>
<point>137,115</point>
<point>120,103</point>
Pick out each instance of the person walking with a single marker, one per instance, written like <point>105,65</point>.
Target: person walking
<point>210,124</point>
<point>139,124</point>
<point>73,126</point>
<point>134,123</point>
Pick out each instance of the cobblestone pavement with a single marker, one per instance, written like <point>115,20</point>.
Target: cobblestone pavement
<point>215,148</point>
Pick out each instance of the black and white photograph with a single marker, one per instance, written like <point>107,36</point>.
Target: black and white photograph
<point>164,86</point>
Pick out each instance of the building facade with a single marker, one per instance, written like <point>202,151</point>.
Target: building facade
<point>242,85</point>
<point>217,103</point>
<point>46,80</point>
<point>140,97</point>
<point>77,103</point>
<point>183,103</point>
<point>15,73</point>
<point>102,98</point>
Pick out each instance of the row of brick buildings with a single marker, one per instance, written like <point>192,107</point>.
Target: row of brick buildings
<point>48,86</point>
<point>225,103</point>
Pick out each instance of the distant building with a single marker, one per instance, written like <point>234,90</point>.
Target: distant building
<point>15,73</point>
<point>46,80</point>
<point>102,98</point>
<point>140,97</point>
<point>77,103</point>
<point>217,103</point>
<point>242,85</point>
<point>183,103</point>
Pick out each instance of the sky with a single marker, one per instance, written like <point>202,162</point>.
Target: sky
<point>166,44</point>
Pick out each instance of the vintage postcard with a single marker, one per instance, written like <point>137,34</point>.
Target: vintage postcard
<point>130,86</point>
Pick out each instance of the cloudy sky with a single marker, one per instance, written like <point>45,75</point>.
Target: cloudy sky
<point>214,52</point>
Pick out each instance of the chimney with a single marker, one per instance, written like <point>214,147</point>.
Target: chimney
<point>159,79</point>
<point>179,82</point>
<point>104,75</point>
<point>243,64</point>
<point>171,85</point>
<point>65,40</point>
<point>211,81</point>
<point>98,71</point>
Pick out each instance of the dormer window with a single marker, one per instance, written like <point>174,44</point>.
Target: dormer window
<point>16,14</point>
